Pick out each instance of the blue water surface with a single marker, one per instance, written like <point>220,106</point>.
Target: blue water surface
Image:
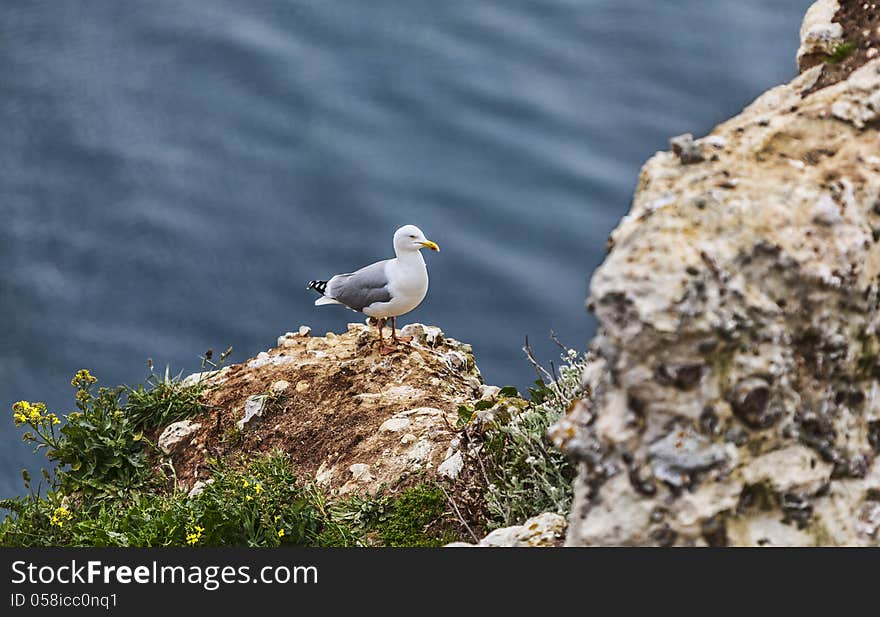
<point>173,173</point>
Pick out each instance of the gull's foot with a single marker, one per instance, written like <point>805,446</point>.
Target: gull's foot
<point>385,350</point>
<point>404,339</point>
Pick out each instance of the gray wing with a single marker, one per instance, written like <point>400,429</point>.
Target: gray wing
<point>362,288</point>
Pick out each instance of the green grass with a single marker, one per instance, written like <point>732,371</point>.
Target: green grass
<point>260,504</point>
<point>162,400</point>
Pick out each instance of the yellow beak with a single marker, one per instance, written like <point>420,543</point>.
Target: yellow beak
<point>430,245</point>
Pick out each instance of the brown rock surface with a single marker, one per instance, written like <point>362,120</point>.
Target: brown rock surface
<point>350,418</point>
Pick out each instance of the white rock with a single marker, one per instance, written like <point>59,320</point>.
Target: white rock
<point>199,487</point>
<point>324,475</point>
<point>429,336</point>
<point>253,410</point>
<point>456,360</point>
<point>264,359</point>
<point>619,518</point>
<point>716,141</point>
<point>203,377</point>
<point>176,433</point>
<point>360,472</point>
<point>543,530</point>
<point>394,425</point>
<point>289,339</point>
<point>420,452</point>
<point>452,466</point>
<point>742,312</point>
<point>489,393</point>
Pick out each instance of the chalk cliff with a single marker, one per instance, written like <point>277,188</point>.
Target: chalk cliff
<point>735,396</point>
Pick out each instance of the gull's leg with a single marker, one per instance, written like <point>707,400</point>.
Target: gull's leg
<point>383,348</point>
<point>378,323</point>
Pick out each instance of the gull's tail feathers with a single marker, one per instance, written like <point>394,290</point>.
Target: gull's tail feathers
<point>321,287</point>
<point>326,300</point>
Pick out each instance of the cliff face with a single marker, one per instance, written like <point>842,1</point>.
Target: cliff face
<point>735,394</point>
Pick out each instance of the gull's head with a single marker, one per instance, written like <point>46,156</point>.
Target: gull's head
<point>410,238</point>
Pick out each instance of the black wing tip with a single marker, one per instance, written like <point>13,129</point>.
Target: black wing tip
<point>319,286</point>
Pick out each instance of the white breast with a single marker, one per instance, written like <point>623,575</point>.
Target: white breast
<point>408,284</point>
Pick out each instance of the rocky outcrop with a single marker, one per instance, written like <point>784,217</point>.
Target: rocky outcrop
<point>352,420</point>
<point>820,34</point>
<point>735,396</point>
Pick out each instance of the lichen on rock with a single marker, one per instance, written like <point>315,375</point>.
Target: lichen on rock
<point>734,385</point>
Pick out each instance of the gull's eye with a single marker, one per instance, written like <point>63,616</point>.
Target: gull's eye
<point>412,236</point>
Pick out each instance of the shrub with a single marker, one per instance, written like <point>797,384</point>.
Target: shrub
<point>526,475</point>
<point>99,449</point>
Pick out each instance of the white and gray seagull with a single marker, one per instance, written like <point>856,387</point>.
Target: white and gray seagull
<point>385,289</point>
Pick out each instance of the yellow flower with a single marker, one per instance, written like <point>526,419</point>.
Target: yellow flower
<point>245,483</point>
<point>194,535</point>
<point>31,413</point>
<point>60,516</point>
<point>83,378</point>
<point>280,533</point>
<point>258,488</point>
<point>248,498</point>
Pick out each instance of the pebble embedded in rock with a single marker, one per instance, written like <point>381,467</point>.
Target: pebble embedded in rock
<point>750,400</point>
<point>279,386</point>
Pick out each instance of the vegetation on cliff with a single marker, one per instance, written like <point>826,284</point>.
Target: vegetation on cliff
<point>111,484</point>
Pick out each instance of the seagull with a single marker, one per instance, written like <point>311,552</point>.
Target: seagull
<point>385,289</point>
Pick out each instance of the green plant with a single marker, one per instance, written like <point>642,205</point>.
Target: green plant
<point>100,451</point>
<point>163,400</point>
<point>526,474</point>
<point>417,517</point>
<point>258,504</point>
<point>412,517</point>
<point>841,52</point>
